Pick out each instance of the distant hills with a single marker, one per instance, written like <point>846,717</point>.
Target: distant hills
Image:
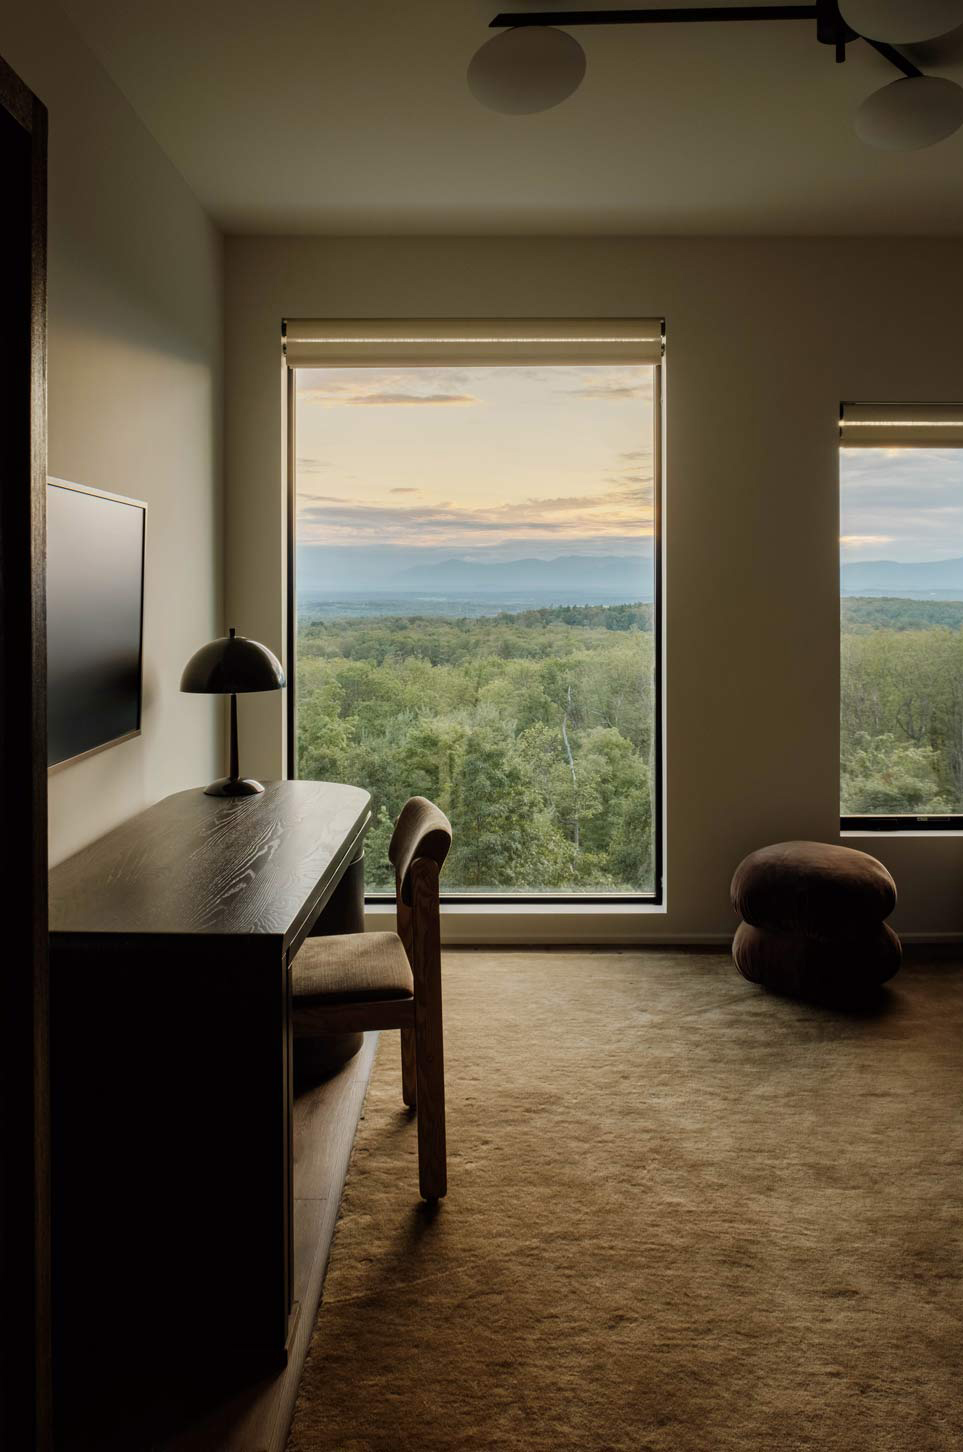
<point>613,574</point>
<point>630,577</point>
<point>325,570</point>
<point>899,577</point>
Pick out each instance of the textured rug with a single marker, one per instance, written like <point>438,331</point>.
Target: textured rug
<point>683,1215</point>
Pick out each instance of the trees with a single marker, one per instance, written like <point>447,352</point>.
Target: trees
<point>883,776</point>
<point>470,712</point>
<point>901,700</point>
<point>474,713</point>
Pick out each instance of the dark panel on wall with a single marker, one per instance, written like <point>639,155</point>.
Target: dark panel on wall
<point>95,596</point>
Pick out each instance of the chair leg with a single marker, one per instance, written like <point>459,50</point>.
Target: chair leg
<point>408,1081</point>
<point>430,1081</point>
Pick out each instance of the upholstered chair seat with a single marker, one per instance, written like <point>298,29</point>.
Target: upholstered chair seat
<point>350,968</point>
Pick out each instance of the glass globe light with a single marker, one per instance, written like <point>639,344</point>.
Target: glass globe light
<point>902,22</point>
<point>911,113</point>
<point>527,69</point>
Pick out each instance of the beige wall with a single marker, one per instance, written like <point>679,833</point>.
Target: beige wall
<point>764,340</point>
<point>135,407</point>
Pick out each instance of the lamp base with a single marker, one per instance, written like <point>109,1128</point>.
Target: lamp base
<point>233,786</point>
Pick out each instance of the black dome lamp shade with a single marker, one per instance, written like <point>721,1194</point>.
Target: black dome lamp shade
<point>229,666</point>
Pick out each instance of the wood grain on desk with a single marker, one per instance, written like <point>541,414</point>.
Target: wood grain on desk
<point>193,864</point>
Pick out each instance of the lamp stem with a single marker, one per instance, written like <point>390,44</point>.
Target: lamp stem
<point>234,770</point>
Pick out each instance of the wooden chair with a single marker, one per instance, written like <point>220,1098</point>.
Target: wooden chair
<point>359,981</point>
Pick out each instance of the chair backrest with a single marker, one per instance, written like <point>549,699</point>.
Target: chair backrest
<point>422,830</point>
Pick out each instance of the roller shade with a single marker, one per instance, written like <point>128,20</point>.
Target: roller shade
<point>918,425</point>
<point>343,343</point>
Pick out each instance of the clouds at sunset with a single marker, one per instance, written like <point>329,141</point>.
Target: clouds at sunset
<point>611,392</point>
<point>383,388</point>
<point>608,515</point>
<point>901,504</point>
<point>393,399</point>
<point>526,460</point>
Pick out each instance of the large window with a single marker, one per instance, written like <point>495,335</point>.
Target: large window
<point>901,582</point>
<point>477,612</point>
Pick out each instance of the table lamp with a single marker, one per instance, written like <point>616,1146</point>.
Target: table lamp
<point>228,666</point>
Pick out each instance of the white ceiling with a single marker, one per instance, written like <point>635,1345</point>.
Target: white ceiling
<point>353,116</point>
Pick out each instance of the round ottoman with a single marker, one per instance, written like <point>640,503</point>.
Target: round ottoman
<point>813,920</point>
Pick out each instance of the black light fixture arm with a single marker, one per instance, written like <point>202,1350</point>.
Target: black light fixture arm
<point>894,57</point>
<point>654,17</point>
<point>831,29</point>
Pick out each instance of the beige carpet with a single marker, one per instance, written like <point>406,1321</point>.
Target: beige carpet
<point>682,1215</point>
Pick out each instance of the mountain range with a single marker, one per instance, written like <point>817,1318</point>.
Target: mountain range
<point>900,576</point>
<point>329,571</point>
<point>615,574</point>
<point>326,570</point>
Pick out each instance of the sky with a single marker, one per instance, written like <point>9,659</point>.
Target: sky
<point>901,504</point>
<point>444,462</point>
<point>507,463</point>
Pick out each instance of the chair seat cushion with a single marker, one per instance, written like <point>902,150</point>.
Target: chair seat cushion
<point>813,887</point>
<point>351,968</point>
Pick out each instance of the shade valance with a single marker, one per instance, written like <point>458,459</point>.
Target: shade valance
<point>347,342</point>
<point>901,425</point>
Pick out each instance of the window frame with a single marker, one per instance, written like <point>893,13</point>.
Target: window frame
<point>509,902</point>
<point>892,821</point>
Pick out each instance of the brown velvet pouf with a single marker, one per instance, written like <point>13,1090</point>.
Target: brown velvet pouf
<point>813,920</point>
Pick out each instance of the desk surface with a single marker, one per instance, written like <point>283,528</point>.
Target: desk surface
<point>193,864</point>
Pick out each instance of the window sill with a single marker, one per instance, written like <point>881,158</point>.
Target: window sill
<point>538,925</point>
<point>531,909</point>
<point>885,834</point>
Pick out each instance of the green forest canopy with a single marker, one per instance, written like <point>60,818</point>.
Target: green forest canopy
<point>534,731</point>
<point>901,707</point>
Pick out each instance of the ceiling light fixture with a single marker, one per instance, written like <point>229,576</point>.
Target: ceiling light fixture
<point>535,65</point>
<point>909,114</point>
<point>902,22</point>
<point>527,69</point>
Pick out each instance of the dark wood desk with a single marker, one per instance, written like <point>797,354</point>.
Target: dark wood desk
<point>171,944</point>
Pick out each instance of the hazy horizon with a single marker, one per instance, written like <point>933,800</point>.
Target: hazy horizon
<point>398,467</point>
